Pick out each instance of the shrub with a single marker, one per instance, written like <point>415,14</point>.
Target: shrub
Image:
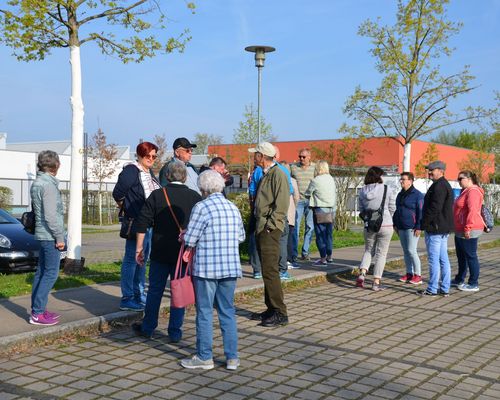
<point>5,197</point>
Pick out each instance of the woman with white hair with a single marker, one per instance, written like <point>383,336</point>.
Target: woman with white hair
<point>215,230</point>
<point>322,195</point>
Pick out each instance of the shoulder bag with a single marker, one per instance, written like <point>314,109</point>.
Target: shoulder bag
<point>373,218</point>
<point>181,286</point>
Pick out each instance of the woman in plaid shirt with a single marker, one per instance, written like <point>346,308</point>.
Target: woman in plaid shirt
<point>215,229</point>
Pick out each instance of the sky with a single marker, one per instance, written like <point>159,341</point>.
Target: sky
<point>318,62</point>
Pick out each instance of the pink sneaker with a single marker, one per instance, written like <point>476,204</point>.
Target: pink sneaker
<point>42,319</point>
<point>416,280</point>
<point>360,282</point>
<point>52,315</point>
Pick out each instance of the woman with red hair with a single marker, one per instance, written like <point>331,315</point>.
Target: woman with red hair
<point>135,184</point>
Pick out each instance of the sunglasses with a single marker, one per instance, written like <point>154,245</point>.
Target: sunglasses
<point>302,156</point>
<point>151,156</point>
<point>461,177</point>
<point>190,150</point>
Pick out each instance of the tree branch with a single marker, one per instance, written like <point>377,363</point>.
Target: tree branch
<point>111,12</point>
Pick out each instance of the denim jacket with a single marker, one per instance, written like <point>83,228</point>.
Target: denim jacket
<point>48,207</point>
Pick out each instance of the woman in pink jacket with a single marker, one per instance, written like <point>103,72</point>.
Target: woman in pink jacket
<point>469,226</point>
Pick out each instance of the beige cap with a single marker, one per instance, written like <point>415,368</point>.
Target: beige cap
<point>265,148</point>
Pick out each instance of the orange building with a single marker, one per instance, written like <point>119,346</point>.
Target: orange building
<point>383,152</point>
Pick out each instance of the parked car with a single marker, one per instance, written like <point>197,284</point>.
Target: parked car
<point>18,248</point>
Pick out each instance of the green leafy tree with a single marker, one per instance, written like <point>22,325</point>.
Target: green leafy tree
<point>414,96</point>
<point>247,131</point>
<point>33,28</point>
<point>203,140</point>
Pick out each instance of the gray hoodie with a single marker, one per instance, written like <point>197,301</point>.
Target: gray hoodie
<point>370,198</point>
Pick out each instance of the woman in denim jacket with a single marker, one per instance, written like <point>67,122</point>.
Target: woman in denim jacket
<point>406,219</point>
<point>49,231</point>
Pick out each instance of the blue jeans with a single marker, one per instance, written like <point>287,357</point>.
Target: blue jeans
<point>46,274</point>
<point>218,292</point>
<point>409,244</point>
<point>290,247</point>
<point>439,264</point>
<point>158,274</point>
<point>284,248</point>
<point>324,239</point>
<point>133,276</point>
<point>303,210</point>
<point>254,255</point>
<point>466,250</point>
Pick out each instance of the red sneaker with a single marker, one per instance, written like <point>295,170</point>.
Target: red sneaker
<point>360,282</point>
<point>406,278</point>
<point>416,280</point>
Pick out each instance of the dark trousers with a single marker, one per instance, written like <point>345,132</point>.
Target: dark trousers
<point>466,250</point>
<point>268,246</point>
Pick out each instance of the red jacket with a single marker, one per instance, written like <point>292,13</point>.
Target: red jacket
<point>467,210</point>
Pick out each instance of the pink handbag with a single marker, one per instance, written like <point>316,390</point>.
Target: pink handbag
<point>181,287</point>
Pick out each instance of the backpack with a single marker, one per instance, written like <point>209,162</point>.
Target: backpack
<point>488,219</point>
<point>28,221</point>
<point>373,218</point>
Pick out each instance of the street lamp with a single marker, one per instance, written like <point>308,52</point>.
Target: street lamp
<point>260,56</point>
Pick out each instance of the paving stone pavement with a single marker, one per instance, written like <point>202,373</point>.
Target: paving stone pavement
<point>342,343</point>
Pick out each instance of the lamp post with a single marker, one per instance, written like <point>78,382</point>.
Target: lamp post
<point>260,56</point>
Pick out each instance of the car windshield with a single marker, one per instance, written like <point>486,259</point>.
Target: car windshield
<point>6,218</point>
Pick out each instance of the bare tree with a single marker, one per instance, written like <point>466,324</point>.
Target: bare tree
<point>104,162</point>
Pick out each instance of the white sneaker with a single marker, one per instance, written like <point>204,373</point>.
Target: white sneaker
<point>292,265</point>
<point>468,288</point>
<point>233,364</point>
<point>194,363</point>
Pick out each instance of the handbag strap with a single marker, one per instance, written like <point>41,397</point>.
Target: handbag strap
<point>381,208</point>
<point>171,210</point>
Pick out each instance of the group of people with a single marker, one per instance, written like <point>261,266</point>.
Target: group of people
<point>184,207</point>
<point>437,214</point>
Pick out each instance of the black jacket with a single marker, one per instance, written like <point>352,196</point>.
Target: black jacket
<point>130,191</point>
<point>438,208</point>
<point>156,213</point>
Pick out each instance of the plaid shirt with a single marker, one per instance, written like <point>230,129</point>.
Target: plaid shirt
<point>216,230</point>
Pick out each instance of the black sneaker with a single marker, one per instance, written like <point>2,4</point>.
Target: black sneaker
<point>426,293</point>
<point>259,316</point>
<point>137,328</point>
<point>444,294</point>
<point>277,319</point>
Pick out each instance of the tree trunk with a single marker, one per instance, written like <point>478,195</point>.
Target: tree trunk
<point>100,208</point>
<point>406,157</point>
<point>74,262</point>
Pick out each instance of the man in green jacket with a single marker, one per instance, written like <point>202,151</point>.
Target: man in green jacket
<point>270,209</point>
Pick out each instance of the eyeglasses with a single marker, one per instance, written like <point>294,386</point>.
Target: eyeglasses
<point>151,156</point>
<point>190,150</point>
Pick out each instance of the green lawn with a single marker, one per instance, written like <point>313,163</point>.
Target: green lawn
<point>19,284</point>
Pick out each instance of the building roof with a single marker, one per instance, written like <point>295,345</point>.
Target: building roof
<point>60,146</point>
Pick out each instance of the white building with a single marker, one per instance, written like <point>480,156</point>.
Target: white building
<point>18,166</point>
